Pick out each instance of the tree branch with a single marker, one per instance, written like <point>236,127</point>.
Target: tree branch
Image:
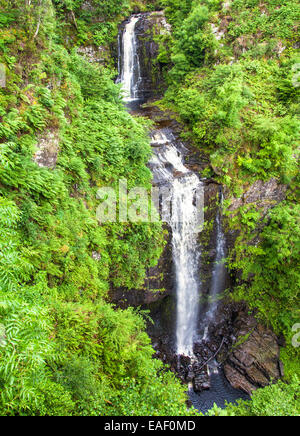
<point>38,28</point>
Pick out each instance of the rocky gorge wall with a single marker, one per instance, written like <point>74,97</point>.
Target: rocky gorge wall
<point>249,351</point>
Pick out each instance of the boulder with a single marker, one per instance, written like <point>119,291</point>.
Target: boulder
<point>255,362</point>
<point>201,382</point>
<point>47,150</point>
<point>263,194</point>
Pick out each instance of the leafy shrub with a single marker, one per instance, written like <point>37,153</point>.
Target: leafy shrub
<point>275,400</point>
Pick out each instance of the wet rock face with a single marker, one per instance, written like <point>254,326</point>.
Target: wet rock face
<point>207,239</point>
<point>255,362</point>
<point>264,194</point>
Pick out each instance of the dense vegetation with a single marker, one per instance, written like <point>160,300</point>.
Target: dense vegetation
<point>64,350</point>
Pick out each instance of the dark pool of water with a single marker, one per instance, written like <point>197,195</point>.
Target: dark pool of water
<point>220,392</point>
<point>135,105</point>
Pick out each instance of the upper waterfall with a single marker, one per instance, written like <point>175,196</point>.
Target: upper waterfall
<point>179,207</point>
<point>129,74</point>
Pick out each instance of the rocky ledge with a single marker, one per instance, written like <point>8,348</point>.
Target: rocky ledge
<point>254,359</point>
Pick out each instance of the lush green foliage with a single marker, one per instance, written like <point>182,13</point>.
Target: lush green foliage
<point>275,400</point>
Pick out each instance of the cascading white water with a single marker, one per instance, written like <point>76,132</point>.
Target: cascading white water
<point>183,187</point>
<point>130,69</point>
<point>186,256</point>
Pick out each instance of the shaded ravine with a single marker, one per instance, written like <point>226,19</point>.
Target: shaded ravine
<point>181,187</point>
<point>219,273</point>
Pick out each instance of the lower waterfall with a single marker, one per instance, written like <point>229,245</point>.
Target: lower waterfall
<point>184,187</point>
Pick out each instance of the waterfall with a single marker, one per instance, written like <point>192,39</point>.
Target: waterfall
<point>177,202</point>
<point>219,271</point>
<point>179,206</point>
<point>129,68</point>
<point>183,217</point>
